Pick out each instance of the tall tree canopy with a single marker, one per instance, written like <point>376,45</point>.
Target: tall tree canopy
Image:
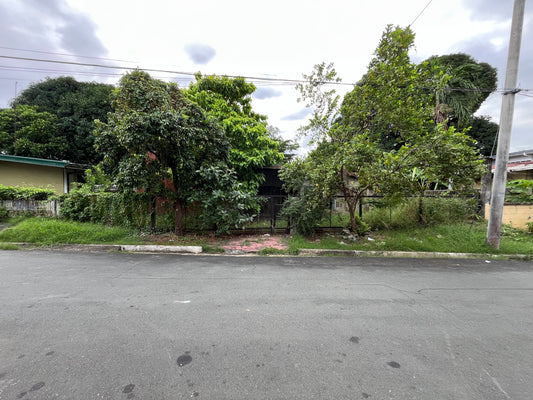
<point>389,102</point>
<point>228,101</point>
<point>24,131</point>
<point>468,84</point>
<point>76,105</point>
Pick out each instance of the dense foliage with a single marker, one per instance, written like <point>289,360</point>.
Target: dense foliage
<point>75,105</point>
<point>197,148</point>
<point>228,101</point>
<point>25,193</point>
<point>24,131</point>
<point>519,191</point>
<point>468,83</point>
<point>385,140</point>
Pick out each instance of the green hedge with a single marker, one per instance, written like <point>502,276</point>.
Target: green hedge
<point>24,193</point>
<point>115,209</point>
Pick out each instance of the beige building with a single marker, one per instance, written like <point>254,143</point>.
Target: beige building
<point>38,172</point>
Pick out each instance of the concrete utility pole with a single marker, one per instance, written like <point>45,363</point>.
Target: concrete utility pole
<point>506,122</point>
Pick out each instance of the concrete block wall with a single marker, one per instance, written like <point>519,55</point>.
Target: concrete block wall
<point>516,215</point>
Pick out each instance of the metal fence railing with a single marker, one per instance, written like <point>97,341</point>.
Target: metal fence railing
<point>336,215</point>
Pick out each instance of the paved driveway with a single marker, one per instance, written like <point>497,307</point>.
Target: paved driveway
<point>125,326</point>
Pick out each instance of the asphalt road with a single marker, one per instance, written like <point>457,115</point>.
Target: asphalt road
<point>133,326</point>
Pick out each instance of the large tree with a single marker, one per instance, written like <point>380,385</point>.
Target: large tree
<point>77,105</point>
<point>228,101</point>
<point>350,157</point>
<point>159,141</point>
<point>24,131</point>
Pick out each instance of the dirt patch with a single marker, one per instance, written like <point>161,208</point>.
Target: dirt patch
<point>254,243</point>
<point>231,244</point>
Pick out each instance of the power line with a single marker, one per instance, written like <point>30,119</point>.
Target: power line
<point>65,54</point>
<point>144,69</point>
<point>421,12</point>
<point>255,79</point>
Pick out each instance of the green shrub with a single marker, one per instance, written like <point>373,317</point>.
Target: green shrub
<point>420,211</point>
<point>304,215</point>
<point>117,209</point>
<point>25,193</point>
<point>361,227</point>
<point>519,191</point>
<point>4,214</point>
<point>221,202</point>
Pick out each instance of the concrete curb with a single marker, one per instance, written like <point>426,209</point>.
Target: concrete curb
<point>116,247</point>
<point>161,249</point>
<point>302,252</point>
<point>412,254</point>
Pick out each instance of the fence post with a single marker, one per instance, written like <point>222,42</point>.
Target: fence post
<point>272,215</point>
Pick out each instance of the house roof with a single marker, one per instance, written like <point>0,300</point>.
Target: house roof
<point>42,162</point>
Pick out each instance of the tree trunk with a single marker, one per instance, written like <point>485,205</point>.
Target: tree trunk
<point>351,202</point>
<point>351,210</point>
<point>179,212</point>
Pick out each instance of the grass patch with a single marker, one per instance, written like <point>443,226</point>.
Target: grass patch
<point>271,251</point>
<point>453,238</point>
<point>212,249</point>
<point>50,231</point>
<point>8,246</point>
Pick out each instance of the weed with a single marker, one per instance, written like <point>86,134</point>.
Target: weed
<point>271,251</point>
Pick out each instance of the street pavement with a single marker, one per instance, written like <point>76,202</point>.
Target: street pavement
<point>159,326</point>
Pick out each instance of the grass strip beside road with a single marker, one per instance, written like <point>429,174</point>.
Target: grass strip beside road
<point>52,231</point>
<point>453,238</point>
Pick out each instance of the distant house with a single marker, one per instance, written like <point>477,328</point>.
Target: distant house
<point>39,172</point>
<point>520,165</point>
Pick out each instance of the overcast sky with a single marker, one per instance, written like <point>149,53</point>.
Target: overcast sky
<point>274,39</point>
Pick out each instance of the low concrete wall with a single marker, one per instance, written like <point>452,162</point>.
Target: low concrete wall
<point>516,215</point>
<point>45,208</point>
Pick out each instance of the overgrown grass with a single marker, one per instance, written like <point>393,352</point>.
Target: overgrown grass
<point>454,238</point>
<point>50,231</point>
<point>8,246</point>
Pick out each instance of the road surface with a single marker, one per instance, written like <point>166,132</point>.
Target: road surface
<point>134,326</point>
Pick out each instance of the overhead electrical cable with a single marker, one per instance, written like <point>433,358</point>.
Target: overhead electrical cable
<point>184,75</point>
<point>421,12</point>
<point>65,54</point>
